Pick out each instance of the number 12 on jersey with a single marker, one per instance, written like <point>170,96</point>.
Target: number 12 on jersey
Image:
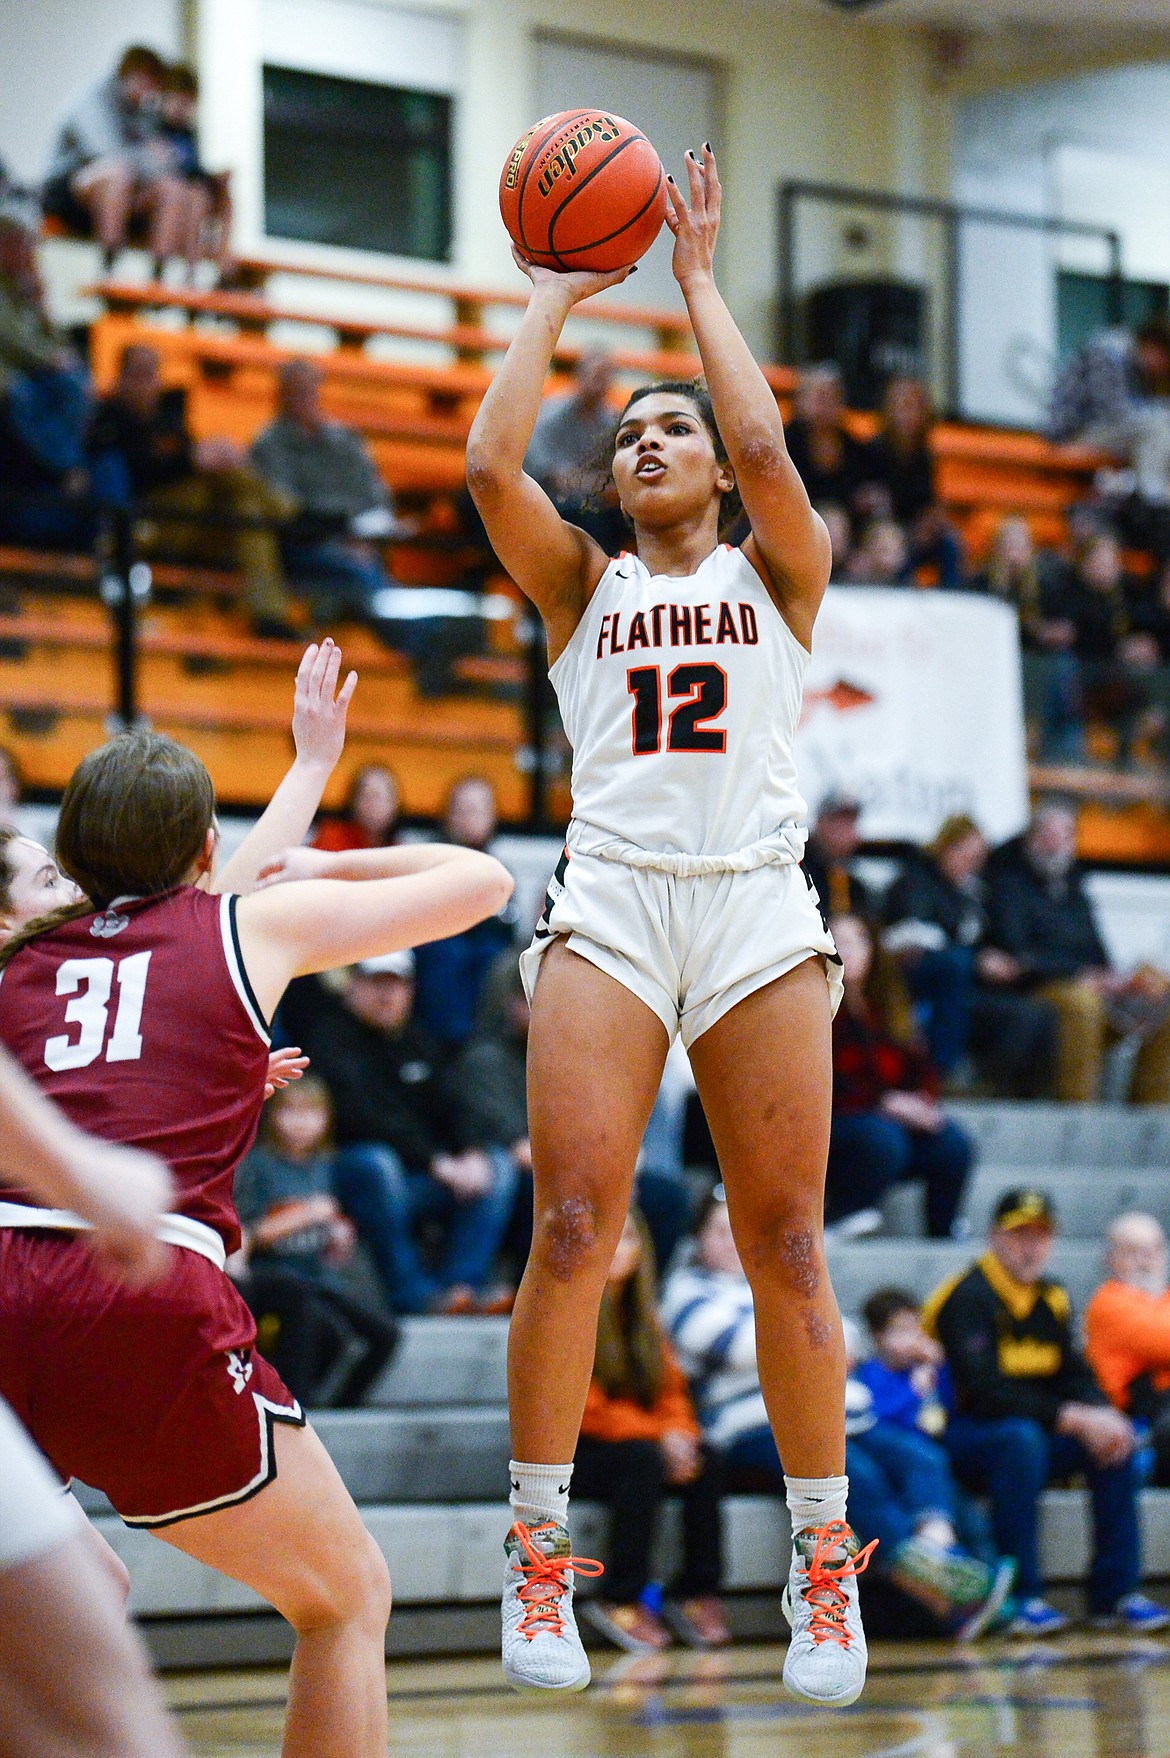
<point>91,983</point>
<point>702,694</point>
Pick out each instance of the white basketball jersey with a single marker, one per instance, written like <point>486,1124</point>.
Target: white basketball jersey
<point>681,698</point>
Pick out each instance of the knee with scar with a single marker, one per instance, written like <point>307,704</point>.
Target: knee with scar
<point>568,1236</point>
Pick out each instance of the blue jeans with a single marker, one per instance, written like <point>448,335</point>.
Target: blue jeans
<point>335,578</point>
<point>869,1153</point>
<point>387,1203</point>
<point>1011,1460</point>
<point>943,983</point>
<point>897,1479</point>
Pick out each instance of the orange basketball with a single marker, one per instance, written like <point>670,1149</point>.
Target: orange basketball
<point>583,190</point>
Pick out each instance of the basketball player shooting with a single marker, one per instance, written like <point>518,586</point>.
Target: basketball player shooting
<point>679,906</point>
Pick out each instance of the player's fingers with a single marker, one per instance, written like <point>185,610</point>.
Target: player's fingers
<point>522,263</point>
<point>345,694</point>
<point>329,680</point>
<point>321,666</point>
<point>676,202</point>
<point>306,665</point>
<point>698,188</point>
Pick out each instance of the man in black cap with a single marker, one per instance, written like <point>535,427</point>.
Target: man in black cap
<point>833,841</point>
<point>1029,1412</point>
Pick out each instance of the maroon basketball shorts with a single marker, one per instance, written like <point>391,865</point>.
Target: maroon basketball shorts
<point>156,1395</point>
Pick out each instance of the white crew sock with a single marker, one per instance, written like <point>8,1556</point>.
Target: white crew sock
<point>815,1501</point>
<point>540,1492</point>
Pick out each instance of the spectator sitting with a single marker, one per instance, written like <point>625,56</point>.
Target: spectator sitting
<point>1127,1331</point>
<point>1093,599</point>
<point>110,166</point>
<point>1028,1412</point>
<point>639,1441</point>
<point>400,1166</point>
<point>937,913</point>
<point>178,116</point>
<point>451,972</point>
<point>900,481</point>
<point>898,1495</point>
<point>1040,914</point>
<point>882,558</point>
<point>832,843</point>
<point>571,435</point>
<point>1115,393</point>
<point>840,528</point>
<point>491,1081</point>
<point>1019,574</point>
<point>326,473</point>
<point>291,1221</point>
<point>888,1127</point>
<point>144,457</point>
<point>44,410</point>
<point>906,1376</point>
<point>370,816</point>
<point>829,461</point>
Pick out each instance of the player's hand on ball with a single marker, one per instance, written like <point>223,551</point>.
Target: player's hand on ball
<point>319,707</point>
<point>695,227</point>
<point>284,1066</point>
<point>295,863</point>
<point>575,284</point>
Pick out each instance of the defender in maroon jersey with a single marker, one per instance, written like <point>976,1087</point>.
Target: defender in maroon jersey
<point>144,1013</point>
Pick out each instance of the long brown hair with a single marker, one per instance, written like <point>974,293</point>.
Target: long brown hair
<point>134,819</point>
<point>628,1359</point>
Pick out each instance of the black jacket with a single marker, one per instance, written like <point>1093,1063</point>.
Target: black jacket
<point>1009,1347</point>
<point>1048,926</point>
<point>923,894</point>
<point>157,452</point>
<point>388,1089</point>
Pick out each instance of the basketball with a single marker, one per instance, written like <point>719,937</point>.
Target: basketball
<point>583,190</point>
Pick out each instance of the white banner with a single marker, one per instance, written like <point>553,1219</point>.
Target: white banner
<point>913,702</point>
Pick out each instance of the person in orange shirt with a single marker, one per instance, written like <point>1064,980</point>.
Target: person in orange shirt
<point>640,1442</point>
<point>1127,1330</point>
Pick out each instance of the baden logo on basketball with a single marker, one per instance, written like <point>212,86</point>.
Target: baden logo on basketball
<point>563,160</point>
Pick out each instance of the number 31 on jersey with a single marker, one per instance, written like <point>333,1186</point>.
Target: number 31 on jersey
<point>91,983</point>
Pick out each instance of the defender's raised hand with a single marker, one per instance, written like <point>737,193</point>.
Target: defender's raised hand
<point>319,707</point>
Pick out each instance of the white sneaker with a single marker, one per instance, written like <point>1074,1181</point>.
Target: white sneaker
<point>827,1655</point>
<point>542,1650</point>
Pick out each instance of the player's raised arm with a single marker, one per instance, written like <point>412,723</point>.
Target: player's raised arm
<point>788,537</point>
<point>553,563</point>
<point>403,897</point>
<point>318,728</point>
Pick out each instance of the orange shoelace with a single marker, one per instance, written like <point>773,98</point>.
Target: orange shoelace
<point>545,1586</point>
<point>824,1592</point>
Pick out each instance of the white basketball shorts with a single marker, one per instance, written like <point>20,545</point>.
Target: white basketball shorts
<point>690,948</point>
<point>36,1515</point>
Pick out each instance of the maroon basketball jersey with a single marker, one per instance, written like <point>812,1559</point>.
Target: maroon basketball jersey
<point>140,1022</point>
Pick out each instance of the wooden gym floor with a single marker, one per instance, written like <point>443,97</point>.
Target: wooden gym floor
<point>1081,1697</point>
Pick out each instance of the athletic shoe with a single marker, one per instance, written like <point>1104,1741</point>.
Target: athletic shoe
<point>859,1225</point>
<point>1035,1617</point>
<point>827,1656</point>
<point>1135,1613</point>
<point>699,1623</point>
<point>951,1585</point>
<point>541,1646</point>
<point>632,1627</point>
<point>990,1614</point>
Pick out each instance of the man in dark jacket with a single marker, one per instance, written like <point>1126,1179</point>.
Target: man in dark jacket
<point>937,916</point>
<point>401,1163</point>
<point>832,843</point>
<point>1040,914</point>
<point>1028,1412</point>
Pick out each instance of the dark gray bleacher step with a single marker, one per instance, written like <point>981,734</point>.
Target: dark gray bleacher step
<point>920,1265</point>
<point>446,1361</point>
<point>452,1555</point>
<point>1028,1134</point>
<point>1086,1198</point>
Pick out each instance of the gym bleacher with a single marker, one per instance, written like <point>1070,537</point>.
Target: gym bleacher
<point>427,1457</point>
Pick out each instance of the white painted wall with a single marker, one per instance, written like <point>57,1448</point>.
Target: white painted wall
<point>1093,149</point>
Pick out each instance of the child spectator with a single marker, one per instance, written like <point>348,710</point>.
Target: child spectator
<point>292,1222</point>
<point>888,1126</point>
<point>896,1497</point>
<point>639,1442</point>
<point>369,818</point>
<point>178,117</point>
